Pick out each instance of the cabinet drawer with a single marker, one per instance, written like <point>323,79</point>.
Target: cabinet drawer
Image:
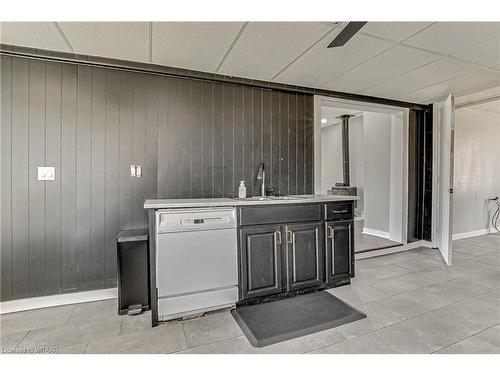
<point>339,211</point>
<point>285,213</point>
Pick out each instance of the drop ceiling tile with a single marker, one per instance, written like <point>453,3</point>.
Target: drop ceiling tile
<point>120,40</point>
<point>477,80</point>
<point>265,48</point>
<point>320,64</point>
<point>437,71</point>
<point>389,64</point>
<point>451,37</point>
<point>396,31</point>
<point>42,35</point>
<point>485,53</point>
<point>193,45</point>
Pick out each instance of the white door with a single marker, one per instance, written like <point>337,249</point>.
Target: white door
<point>444,150</point>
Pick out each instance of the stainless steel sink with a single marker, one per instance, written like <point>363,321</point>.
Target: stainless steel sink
<point>271,198</point>
<point>285,198</point>
<point>254,199</point>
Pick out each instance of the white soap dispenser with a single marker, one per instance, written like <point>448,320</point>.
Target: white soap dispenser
<point>242,192</point>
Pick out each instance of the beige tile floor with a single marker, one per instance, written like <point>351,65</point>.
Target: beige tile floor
<point>414,304</point>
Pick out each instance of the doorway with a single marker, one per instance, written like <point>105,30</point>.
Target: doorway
<point>361,149</point>
<point>476,169</point>
<point>459,165</point>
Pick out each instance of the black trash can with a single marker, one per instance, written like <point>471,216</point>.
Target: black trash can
<point>133,271</point>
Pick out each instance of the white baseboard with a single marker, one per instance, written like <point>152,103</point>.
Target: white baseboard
<point>473,233</point>
<point>375,232</point>
<point>392,250</point>
<point>57,300</point>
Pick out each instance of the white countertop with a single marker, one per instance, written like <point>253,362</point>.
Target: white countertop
<point>228,202</point>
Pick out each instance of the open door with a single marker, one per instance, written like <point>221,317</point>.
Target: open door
<point>444,150</point>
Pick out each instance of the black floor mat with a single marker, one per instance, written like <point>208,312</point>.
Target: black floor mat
<point>272,322</point>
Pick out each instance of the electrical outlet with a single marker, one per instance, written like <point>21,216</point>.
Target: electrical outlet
<point>135,170</point>
<point>46,173</point>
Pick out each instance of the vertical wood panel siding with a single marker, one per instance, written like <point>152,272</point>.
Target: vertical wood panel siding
<point>193,139</point>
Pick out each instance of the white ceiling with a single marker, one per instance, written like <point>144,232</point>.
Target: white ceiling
<point>331,114</point>
<point>412,61</point>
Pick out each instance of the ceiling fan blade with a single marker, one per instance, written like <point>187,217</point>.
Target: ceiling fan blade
<point>346,34</point>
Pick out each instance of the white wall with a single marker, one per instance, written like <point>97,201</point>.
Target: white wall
<point>356,158</point>
<point>371,138</point>
<point>477,168</point>
<point>331,156</point>
<point>377,170</point>
<point>396,175</point>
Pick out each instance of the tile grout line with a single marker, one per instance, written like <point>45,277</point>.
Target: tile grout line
<point>407,318</point>
<point>185,337</point>
<point>347,339</point>
<point>474,334</point>
<point>70,315</point>
<point>209,343</point>
<point>434,284</point>
<point>20,341</point>
<point>121,325</point>
<point>489,291</point>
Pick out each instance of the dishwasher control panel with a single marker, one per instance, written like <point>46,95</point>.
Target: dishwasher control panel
<point>200,219</point>
<point>205,220</point>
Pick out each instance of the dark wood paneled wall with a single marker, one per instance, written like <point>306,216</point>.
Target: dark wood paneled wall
<point>193,138</point>
<point>214,135</point>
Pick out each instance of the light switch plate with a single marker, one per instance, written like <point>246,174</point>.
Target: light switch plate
<point>46,173</point>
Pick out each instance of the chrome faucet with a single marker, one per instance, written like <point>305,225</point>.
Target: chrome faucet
<point>261,175</point>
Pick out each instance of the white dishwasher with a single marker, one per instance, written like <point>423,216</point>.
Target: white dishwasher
<point>196,261</point>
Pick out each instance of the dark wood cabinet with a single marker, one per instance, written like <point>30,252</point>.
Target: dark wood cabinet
<point>261,260</point>
<point>289,248</point>
<point>339,253</point>
<point>304,255</point>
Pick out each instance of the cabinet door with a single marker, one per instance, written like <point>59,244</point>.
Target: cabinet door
<point>339,249</point>
<point>260,260</point>
<point>304,255</point>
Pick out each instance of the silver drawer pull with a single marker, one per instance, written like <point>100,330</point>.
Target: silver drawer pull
<point>330,232</point>
<point>340,211</point>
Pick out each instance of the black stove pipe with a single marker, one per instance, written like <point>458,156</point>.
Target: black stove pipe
<point>345,149</point>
